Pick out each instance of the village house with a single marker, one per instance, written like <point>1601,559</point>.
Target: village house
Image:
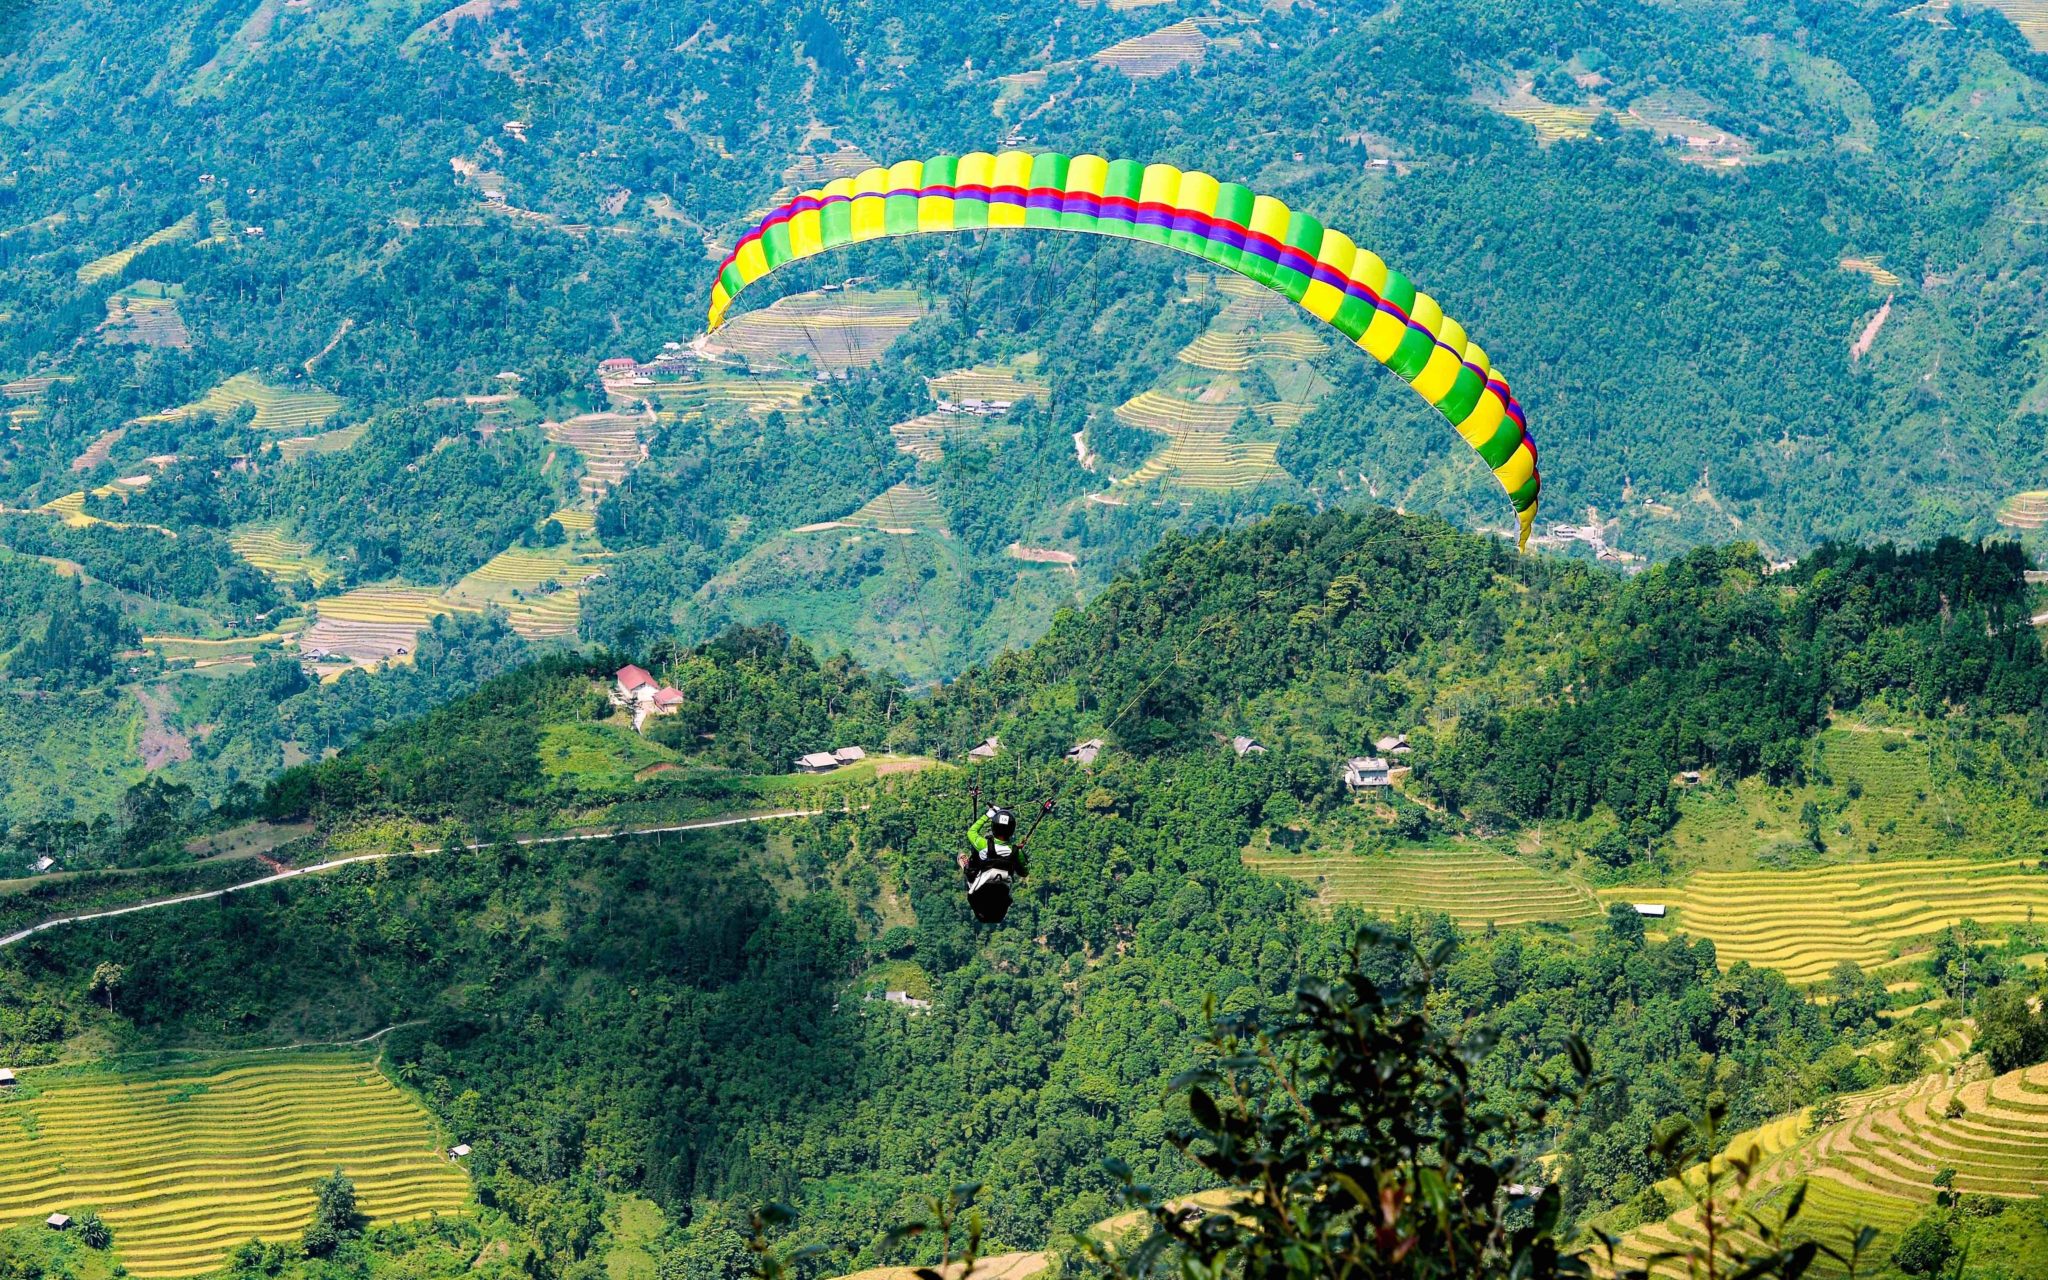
<point>42,864</point>
<point>1084,753</point>
<point>630,681</point>
<point>1365,772</point>
<point>1655,910</point>
<point>614,366</point>
<point>988,749</point>
<point>1394,744</point>
<point>1246,746</point>
<point>817,762</point>
<point>458,1151</point>
<point>849,755</point>
<point>7,1080</point>
<point>903,998</point>
<point>57,1221</point>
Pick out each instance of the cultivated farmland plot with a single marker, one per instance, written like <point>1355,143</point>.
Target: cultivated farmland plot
<point>1183,44</point>
<point>2030,16</point>
<point>296,448</point>
<point>902,508</point>
<point>1876,1165</point>
<point>1221,352</point>
<point>375,624</point>
<point>834,331</point>
<point>1475,887</point>
<point>113,264</point>
<point>710,396</point>
<point>145,314</point>
<point>1804,923</point>
<point>276,409</point>
<point>816,168</point>
<point>1009,383</point>
<point>536,587</point>
<point>1199,453</point>
<point>2027,510</point>
<point>269,548</point>
<point>610,445</point>
<point>1874,268</point>
<point>187,1162</point>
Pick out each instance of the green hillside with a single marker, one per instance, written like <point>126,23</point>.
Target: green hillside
<point>1172,870</point>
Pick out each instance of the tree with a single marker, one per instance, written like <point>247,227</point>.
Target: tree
<point>1626,924</point>
<point>334,1215</point>
<point>1924,1248</point>
<point>94,1231</point>
<point>2012,1034</point>
<point>106,979</point>
<point>1351,1128</point>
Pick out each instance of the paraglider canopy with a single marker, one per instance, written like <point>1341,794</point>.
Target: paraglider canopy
<point>1351,289</point>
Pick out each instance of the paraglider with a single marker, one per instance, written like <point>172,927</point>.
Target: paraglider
<point>1377,307</point>
<point>993,860</point>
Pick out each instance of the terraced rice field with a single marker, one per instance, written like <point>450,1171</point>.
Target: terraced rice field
<point>834,332</point>
<point>31,387</point>
<point>1804,923</point>
<point>576,522</point>
<point>145,314</point>
<point>1198,453</point>
<point>202,651</point>
<point>296,448</point>
<point>186,1163</point>
<point>1475,887</point>
<point>70,509</point>
<point>2030,16</point>
<point>1172,415</point>
<point>1834,1163</point>
<point>1832,1215</point>
<point>1678,114</point>
<point>1159,53</point>
<point>693,400</point>
<point>1008,383</point>
<point>1250,303</point>
<point>1205,462</point>
<point>2027,510</point>
<point>609,444</point>
<point>1873,268</point>
<point>1551,123</point>
<point>277,409</point>
<point>924,437</point>
<point>518,579</point>
<point>271,549</point>
<point>375,624</point>
<point>1877,1165</point>
<point>219,226</point>
<point>815,169</point>
<point>1237,352</point>
<point>99,450</point>
<point>113,264</point>
<point>901,508</point>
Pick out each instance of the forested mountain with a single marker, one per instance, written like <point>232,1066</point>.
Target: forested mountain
<point>331,280</point>
<point>689,1016</point>
<point>358,424</point>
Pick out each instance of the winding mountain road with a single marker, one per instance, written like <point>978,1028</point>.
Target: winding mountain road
<point>702,824</point>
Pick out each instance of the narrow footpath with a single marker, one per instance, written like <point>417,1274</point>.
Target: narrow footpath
<point>702,824</point>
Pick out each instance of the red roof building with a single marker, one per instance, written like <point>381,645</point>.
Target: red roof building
<point>668,699</point>
<point>632,679</point>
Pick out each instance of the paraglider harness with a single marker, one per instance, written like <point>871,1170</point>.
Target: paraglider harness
<point>992,864</point>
